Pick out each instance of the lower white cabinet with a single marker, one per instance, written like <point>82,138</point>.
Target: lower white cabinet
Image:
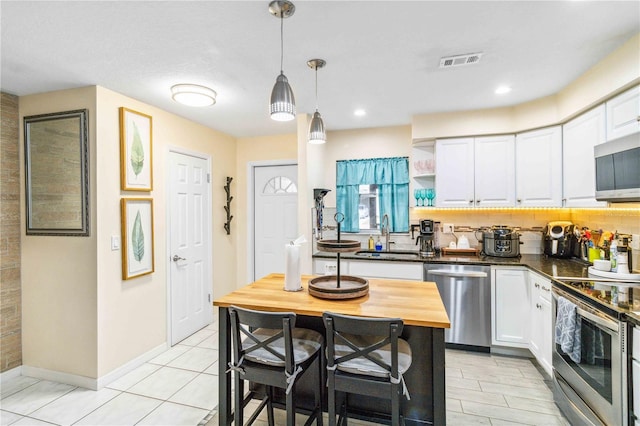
<point>510,307</point>
<point>370,268</point>
<point>541,326</point>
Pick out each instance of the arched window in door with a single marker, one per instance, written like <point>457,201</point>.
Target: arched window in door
<point>280,185</point>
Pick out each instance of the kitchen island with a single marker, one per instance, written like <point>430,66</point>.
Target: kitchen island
<point>417,303</point>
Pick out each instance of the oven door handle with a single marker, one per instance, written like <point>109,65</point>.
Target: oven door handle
<point>463,274</point>
<point>597,319</point>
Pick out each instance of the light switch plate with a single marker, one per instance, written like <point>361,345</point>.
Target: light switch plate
<point>115,242</point>
<point>447,228</point>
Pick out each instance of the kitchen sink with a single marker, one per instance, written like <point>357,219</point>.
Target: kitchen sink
<point>388,254</point>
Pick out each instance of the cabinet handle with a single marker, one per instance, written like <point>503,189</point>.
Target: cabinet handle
<point>470,201</point>
<point>638,119</point>
<point>477,201</point>
<point>519,200</point>
<point>537,285</point>
<point>545,289</point>
<point>539,306</point>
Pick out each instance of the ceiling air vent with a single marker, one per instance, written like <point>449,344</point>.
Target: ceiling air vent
<point>460,60</point>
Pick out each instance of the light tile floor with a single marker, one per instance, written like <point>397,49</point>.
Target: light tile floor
<point>180,387</point>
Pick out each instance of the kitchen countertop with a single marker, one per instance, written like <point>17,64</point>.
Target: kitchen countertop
<point>549,267</point>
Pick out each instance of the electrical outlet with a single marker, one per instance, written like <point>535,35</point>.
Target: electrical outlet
<point>635,242</point>
<point>447,228</point>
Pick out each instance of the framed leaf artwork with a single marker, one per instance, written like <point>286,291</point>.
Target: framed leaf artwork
<point>136,159</point>
<point>137,237</point>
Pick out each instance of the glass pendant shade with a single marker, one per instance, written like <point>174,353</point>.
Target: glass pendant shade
<point>317,133</point>
<point>283,103</point>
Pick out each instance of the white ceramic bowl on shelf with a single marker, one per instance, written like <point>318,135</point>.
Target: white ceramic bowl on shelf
<point>602,265</point>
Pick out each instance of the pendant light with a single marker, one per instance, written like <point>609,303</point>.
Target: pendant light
<point>317,133</point>
<point>283,103</point>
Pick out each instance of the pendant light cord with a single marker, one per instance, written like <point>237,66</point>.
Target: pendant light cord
<point>316,67</point>
<point>281,42</point>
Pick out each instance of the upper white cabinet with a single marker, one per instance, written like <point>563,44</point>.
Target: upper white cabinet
<point>623,114</point>
<point>475,172</point>
<point>454,169</point>
<point>538,168</point>
<point>495,171</point>
<point>579,136</point>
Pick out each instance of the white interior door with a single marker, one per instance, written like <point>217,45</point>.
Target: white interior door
<point>275,216</point>
<point>189,241</point>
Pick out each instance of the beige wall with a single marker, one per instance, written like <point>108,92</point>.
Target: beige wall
<point>357,144</point>
<point>618,71</point>
<point>59,286</point>
<point>266,149</point>
<point>80,317</point>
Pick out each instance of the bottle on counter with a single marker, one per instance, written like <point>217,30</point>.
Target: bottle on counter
<point>378,245</point>
<point>613,255</point>
<point>371,243</point>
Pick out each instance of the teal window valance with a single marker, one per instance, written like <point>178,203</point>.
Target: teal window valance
<point>392,177</point>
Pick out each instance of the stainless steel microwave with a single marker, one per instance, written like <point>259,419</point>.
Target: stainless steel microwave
<point>618,169</point>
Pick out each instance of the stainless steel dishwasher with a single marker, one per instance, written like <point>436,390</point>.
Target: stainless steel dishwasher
<point>466,293</point>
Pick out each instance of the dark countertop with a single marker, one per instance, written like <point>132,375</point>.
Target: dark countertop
<point>544,265</point>
<point>548,266</point>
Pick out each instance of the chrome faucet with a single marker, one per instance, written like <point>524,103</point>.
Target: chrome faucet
<point>384,230</point>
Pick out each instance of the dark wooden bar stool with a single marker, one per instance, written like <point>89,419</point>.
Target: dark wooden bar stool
<point>269,350</point>
<point>366,356</point>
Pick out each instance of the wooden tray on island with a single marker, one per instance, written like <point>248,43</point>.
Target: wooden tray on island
<point>446,251</point>
<point>326,287</point>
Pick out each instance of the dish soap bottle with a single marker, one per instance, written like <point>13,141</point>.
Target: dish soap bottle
<point>378,245</point>
<point>371,243</point>
<point>613,255</point>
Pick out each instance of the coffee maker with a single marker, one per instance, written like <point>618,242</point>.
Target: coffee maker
<point>559,239</point>
<point>427,237</point>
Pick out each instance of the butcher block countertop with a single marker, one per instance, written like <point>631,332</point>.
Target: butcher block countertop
<point>418,303</point>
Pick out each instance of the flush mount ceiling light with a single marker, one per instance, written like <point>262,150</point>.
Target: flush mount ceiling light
<point>193,95</point>
<point>501,90</point>
<point>317,132</point>
<point>360,112</point>
<point>283,103</point>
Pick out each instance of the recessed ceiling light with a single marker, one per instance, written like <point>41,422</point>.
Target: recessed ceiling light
<point>501,90</point>
<point>193,95</point>
<point>359,113</point>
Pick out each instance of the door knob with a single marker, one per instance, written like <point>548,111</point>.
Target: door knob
<point>176,258</point>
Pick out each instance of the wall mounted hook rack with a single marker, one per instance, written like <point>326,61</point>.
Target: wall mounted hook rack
<point>227,208</point>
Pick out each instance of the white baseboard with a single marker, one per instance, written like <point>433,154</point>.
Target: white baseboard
<point>10,374</point>
<point>131,365</point>
<point>88,382</point>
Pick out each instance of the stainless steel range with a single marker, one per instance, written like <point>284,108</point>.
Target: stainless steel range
<point>590,377</point>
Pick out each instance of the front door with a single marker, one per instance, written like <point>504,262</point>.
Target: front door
<point>275,216</point>
<point>189,224</point>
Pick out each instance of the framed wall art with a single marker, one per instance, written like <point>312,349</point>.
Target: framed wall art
<point>56,153</point>
<point>137,237</point>
<point>136,159</point>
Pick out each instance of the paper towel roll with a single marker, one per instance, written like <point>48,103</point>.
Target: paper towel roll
<point>292,276</point>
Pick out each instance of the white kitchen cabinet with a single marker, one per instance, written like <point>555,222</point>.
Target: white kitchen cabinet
<point>495,184</point>
<point>538,168</point>
<point>329,266</point>
<point>510,307</point>
<point>635,373</point>
<point>455,172</point>
<point>579,136</point>
<point>540,332</point>
<point>393,270</point>
<point>370,268</point>
<point>475,172</point>
<point>623,114</point>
